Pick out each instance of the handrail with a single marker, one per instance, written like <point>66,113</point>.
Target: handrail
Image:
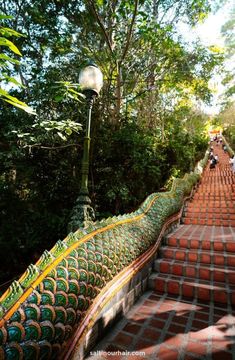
<point>40,311</point>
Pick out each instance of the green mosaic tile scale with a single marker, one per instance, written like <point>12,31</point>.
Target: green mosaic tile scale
<point>75,271</point>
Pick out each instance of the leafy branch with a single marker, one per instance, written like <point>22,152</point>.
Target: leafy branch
<point>6,32</point>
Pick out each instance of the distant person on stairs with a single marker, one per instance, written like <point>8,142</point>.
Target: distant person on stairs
<point>232,163</point>
<point>212,163</point>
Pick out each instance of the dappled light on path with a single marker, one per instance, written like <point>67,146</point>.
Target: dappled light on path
<point>169,328</point>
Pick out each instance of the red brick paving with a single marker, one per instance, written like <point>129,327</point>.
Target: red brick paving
<point>190,312</point>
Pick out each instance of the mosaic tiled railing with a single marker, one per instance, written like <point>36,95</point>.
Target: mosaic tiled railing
<point>40,313</point>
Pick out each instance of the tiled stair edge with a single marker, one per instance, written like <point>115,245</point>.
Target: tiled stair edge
<point>202,271</point>
<point>194,288</point>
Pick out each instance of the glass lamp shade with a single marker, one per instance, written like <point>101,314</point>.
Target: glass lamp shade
<point>91,78</point>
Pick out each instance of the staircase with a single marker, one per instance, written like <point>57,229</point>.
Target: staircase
<point>188,312</point>
<point>198,258</point>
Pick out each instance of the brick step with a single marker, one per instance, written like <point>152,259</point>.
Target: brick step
<point>200,244</point>
<point>224,167</point>
<point>209,210</point>
<point>222,172</point>
<point>202,272</point>
<point>204,184</point>
<point>206,215</point>
<point>210,193</point>
<point>203,257</point>
<point>210,203</point>
<point>225,179</point>
<point>209,222</point>
<point>210,180</point>
<point>183,286</point>
<point>213,188</point>
<point>211,198</point>
<point>213,194</point>
<point>225,173</point>
<point>216,189</point>
<point>216,183</point>
<point>217,192</point>
<point>214,197</point>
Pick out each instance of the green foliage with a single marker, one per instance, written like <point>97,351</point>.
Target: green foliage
<point>67,90</point>
<point>4,65</point>
<point>228,32</point>
<point>133,162</point>
<point>48,132</point>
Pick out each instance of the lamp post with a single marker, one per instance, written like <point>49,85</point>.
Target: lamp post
<point>91,82</point>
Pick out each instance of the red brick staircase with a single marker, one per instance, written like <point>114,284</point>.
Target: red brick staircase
<point>198,258</point>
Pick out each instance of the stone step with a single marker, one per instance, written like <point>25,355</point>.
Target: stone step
<point>225,274</point>
<point>194,256</point>
<point>193,288</point>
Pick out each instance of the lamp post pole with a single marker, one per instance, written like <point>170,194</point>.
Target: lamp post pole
<point>83,213</point>
<point>86,146</point>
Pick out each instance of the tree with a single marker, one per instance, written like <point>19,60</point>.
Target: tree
<point>228,32</point>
